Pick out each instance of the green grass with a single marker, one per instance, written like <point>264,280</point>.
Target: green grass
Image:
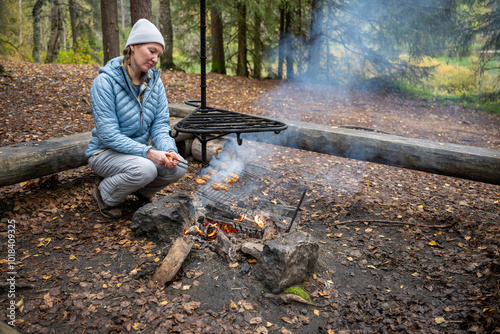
<point>470,100</point>
<point>297,290</point>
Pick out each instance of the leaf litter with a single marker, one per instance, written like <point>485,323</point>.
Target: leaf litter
<point>400,250</point>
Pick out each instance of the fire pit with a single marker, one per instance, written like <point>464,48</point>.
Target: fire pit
<point>208,123</point>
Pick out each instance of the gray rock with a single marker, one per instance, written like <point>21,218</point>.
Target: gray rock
<point>286,261</point>
<point>164,219</point>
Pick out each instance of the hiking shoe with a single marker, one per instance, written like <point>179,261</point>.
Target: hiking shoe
<point>104,209</point>
<point>141,198</point>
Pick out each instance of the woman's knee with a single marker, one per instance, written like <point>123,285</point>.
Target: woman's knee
<point>143,173</point>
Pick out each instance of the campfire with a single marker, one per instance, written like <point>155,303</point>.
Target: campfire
<point>208,227</point>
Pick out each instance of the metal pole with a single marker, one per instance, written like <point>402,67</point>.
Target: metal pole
<point>296,211</point>
<point>203,57</point>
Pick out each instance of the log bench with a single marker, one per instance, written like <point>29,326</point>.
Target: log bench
<point>25,161</point>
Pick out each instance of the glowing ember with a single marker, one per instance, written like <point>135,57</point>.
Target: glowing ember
<point>259,221</point>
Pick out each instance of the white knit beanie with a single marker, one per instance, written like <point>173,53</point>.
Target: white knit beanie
<point>144,31</point>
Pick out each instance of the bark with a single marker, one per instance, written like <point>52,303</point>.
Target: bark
<point>281,41</point>
<point>110,32</point>
<point>218,57</point>
<point>37,10</point>
<point>141,9</point>
<point>258,46</point>
<point>72,17</point>
<point>242,69</point>
<point>56,33</point>
<point>167,30</point>
<point>172,262</point>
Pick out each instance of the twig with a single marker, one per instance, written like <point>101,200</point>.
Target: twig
<point>6,286</point>
<point>66,129</point>
<point>345,222</point>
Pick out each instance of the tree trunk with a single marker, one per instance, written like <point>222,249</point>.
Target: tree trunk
<point>122,13</point>
<point>110,33</point>
<point>289,53</point>
<point>281,42</point>
<point>167,30</point>
<point>241,69</point>
<point>316,39</point>
<point>72,17</point>
<point>20,22</point>
<point>140,9</point>
<point>218,57</point>
<point>56,33</point>
<point>37,10</point>
<point>258,45</point>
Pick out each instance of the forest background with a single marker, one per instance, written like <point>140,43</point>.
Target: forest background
<point>448,50</point>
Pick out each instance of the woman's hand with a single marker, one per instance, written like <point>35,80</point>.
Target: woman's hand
<point>172,159</point>
<point>158,157</point>
<point>167,159</point>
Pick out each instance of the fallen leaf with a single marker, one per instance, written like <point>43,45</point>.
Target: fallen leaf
<point>439,320</point>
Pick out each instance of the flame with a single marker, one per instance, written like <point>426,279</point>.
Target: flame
<point>259,221</point>
<point>193,231</point>
<point>243,217</point>
<point>212,231</point>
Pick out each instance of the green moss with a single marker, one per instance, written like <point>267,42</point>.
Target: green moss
<point>297,290</point>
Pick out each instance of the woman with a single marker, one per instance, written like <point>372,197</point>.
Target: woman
<point>131,148</point>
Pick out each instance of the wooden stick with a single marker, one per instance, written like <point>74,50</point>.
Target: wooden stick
<point>389,222</point>
<point>172,262</point>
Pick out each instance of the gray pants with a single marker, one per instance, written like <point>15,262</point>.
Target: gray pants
<point>125,173</point>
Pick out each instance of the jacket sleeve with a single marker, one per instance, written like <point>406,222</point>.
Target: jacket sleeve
<point>106,121</point>
<point>160,127</point>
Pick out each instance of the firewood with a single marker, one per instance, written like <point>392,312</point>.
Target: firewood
<point>223,246</point>
<point>172,262</point>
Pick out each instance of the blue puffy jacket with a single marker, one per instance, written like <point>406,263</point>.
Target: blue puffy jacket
<point>117,113</point>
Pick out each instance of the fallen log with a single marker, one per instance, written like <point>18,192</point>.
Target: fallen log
<point>467,162</point>
<point>172,262</point>
<point>25,161</point>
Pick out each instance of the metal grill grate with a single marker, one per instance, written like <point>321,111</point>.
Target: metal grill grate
<point>241,195</point>
<point>224,122</point>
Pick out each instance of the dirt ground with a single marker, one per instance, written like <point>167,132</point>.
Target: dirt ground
<point>400,250</point>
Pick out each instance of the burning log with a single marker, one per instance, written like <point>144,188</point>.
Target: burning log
<point>172,262</point>
<point>223,246</point>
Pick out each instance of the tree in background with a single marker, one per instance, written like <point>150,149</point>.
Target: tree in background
<point>217,30</point>
<point>72,18</point>
<point>37,10</point>
<point>258,45</point>
<point>167,30</point>
<point>140,9</point>
<point>110,35</point>
<point>242,68</point>
<point>56,32</point>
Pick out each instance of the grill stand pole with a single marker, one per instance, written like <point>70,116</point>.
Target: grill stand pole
<point>203,57</point>
<point>202,136</point>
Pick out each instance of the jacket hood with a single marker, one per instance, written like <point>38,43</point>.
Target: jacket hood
<point>117,72</point>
